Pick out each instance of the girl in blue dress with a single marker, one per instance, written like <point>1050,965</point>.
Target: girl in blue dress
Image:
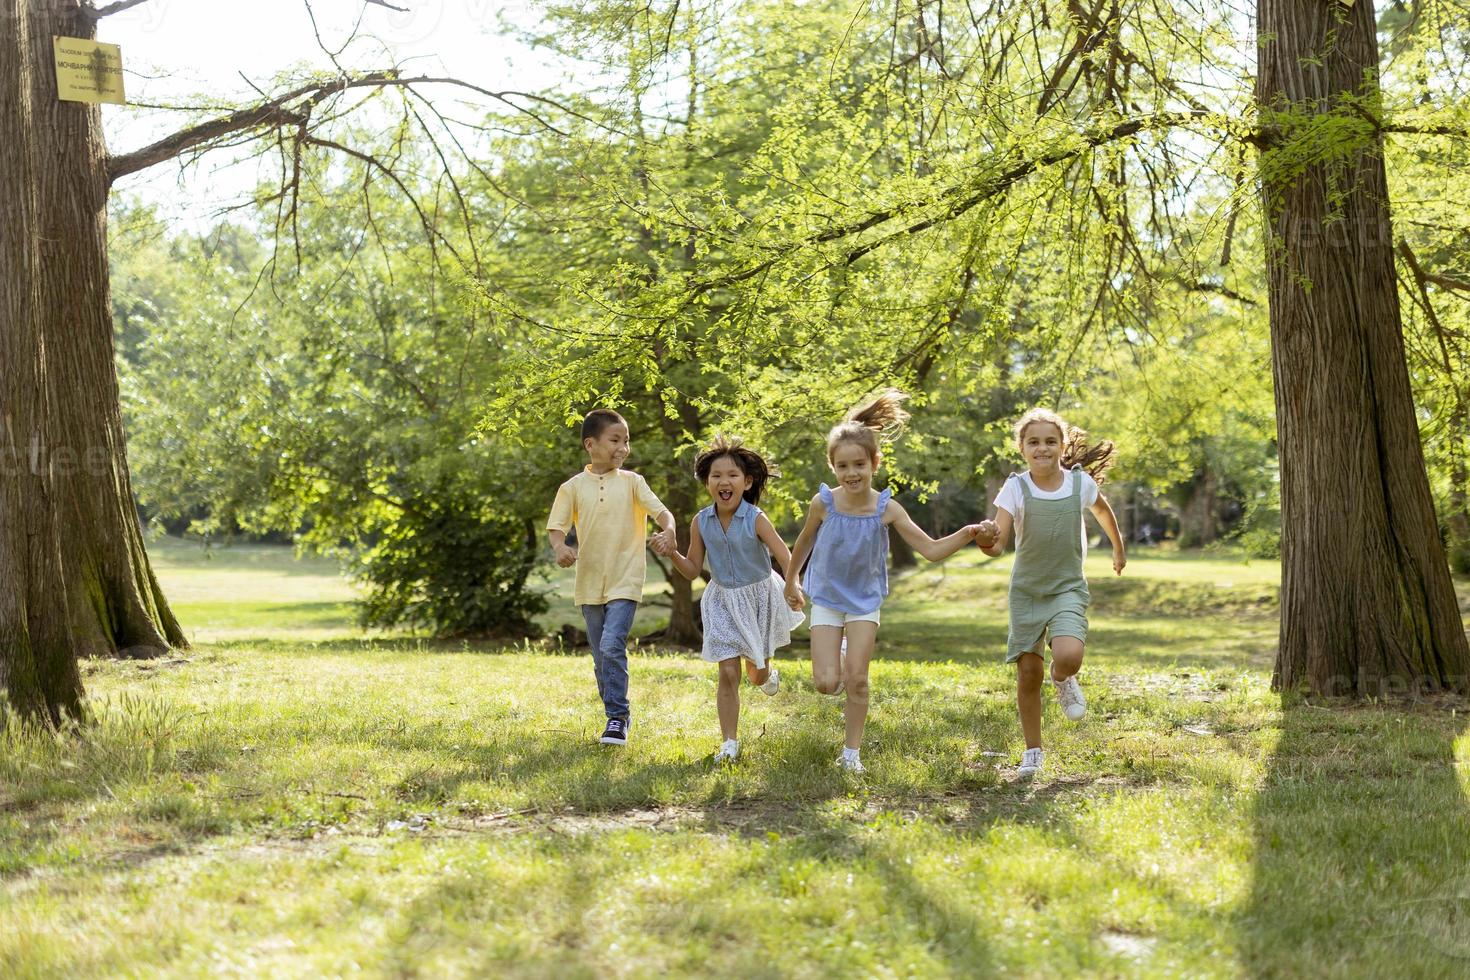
<point>846,537</point>
<point>746,616</point>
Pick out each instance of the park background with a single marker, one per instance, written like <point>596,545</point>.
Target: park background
<point>352,342</point>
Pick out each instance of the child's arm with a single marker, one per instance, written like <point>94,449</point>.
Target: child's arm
<point>689,566</point>
<point>1003,522</point>
<point>930,548</point>
<point>802,550</point>
<point>563,516</point>
<point>565,557</point>
<point>766,532</point>
<point>1103,511</point>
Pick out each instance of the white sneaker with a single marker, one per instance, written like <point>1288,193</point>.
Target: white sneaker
<point>1069,693</point>
<point>773,682</point>
<point>1030,763</point>
<point>849,761</point>
<point>729,751</point>
<point>841,669</point>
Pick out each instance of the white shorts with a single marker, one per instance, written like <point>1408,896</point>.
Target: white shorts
<point>827,616</point>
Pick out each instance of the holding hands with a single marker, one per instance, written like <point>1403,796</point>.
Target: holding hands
<point>663,542</point>
<point>794,598</point>
<point>985,533</point>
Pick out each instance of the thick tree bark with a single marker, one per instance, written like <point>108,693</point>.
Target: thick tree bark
<point>1367,605</point>
<point>72,498</point>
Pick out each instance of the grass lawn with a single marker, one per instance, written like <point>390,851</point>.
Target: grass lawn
<point>293,798</point>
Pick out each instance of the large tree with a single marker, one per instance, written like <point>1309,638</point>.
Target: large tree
<point>1367,605</point>
<point>74,575</point>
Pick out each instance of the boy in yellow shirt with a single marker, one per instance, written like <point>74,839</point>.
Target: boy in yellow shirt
<point>608,506</point>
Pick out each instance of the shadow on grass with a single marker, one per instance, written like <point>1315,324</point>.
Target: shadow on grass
<point>1362,846</point>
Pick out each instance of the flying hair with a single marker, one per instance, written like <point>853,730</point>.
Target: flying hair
<point>871,424</point>
<point>1094,460</point>
<point>750,463</point>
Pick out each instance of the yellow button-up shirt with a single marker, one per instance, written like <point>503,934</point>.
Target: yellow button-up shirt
<point>609,511</point>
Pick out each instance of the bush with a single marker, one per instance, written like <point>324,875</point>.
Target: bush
<point>455,570</point>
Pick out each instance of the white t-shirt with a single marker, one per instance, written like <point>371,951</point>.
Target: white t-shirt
<point>1011,498</point>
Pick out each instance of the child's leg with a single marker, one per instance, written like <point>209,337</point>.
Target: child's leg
<point>861,636</point>
<point>826,667</point>
<point>1066,657</point>
<point>593,616</point>
<point>616,625</point>
<point>727,699</point>
<point>1030,670</point>
<point>757,675</point>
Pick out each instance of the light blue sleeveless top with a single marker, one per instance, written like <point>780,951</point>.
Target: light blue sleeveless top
<point>848,570</point>
<point>736,557</point>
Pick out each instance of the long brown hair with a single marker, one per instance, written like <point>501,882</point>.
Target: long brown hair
<point>747,460</point>
<point>871,424</point>
<point>1095,460</point>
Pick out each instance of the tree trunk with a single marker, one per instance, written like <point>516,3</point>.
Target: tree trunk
<point>1457,506</point>
<point>1367,605</point>
<point>74,570</point>
<point>1199,518</point>
<point>683,629</point>
<point>900,550</point>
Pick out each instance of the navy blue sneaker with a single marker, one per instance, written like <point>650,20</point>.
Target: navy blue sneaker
<point>616,732</point>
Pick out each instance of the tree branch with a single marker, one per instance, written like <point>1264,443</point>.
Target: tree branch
<point>289,108</point>
<point>115,8</point>
<point>990,186</point>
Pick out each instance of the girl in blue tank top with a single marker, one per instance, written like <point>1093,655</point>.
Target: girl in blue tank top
<point>745,612</point>
<point>846,537</point>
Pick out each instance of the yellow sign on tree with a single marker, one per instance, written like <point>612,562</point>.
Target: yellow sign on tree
<point>87,71</point>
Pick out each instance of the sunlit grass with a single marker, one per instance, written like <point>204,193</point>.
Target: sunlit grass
<point>271,804</point>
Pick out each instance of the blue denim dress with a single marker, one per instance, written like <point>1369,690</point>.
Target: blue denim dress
<point>743,607</point>
<point>848,570</point>
<point>736,557</point>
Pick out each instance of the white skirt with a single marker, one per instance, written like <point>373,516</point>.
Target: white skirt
<point>751,621</point>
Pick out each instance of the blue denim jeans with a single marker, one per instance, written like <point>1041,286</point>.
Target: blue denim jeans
<point>607,632</point>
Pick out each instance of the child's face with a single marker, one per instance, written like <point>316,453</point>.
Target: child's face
<point>853,467</point>
<point>726,483</point>
<point>1041,446</point>
<point>610,448</point>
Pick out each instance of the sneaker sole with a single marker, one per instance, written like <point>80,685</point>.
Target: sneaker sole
<point>611,740</point>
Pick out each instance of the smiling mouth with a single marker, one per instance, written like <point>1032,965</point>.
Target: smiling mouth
<point>726,494</point>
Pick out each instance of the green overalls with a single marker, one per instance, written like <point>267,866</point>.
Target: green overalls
<point>1048,591</point>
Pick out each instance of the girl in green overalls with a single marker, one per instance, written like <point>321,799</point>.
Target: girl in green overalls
<point>1048,595</point>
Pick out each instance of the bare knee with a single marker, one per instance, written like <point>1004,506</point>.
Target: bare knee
<point>857,690</point>
<point>730,674</point>
<point>1066,656</point>
<point>827,683</point>
<point>1029,673</point>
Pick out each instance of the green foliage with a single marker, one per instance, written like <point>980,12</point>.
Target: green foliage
<point>455,567</point>
<point>335,403</point>
<point>744,218</point>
